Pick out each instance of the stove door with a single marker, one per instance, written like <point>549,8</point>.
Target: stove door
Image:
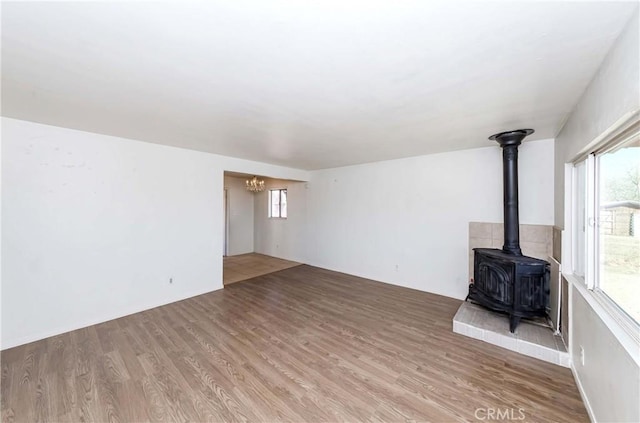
<point>494,279</point>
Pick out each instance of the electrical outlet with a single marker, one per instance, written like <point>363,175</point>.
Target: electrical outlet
<point>397,267</point>
<point>170,280</point>
<point>581,355</point>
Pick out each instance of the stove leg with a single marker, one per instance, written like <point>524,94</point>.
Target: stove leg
<point>513,323</point>
<point>470,290</point>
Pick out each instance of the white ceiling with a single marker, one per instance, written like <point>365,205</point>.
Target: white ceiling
<point>300,83</point>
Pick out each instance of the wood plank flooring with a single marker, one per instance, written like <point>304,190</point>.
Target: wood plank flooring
<point>300,345</point>
<point>246,266</point>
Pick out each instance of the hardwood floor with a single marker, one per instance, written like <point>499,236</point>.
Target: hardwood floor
<point>246,266</point>
<point>300,345</point>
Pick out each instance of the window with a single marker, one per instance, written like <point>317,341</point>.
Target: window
<point>618,237</point>
<point>278,203</point>
<point>606,222</point>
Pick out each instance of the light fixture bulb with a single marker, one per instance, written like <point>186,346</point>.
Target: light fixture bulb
<point>255,185</point>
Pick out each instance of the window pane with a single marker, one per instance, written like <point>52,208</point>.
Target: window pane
<point>619,227</point>
<point>275,203</point>
<point>283,203</point>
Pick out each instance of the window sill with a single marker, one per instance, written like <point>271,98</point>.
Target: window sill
<point>623,327</point>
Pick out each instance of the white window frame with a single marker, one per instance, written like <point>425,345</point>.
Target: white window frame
<point>591,195</point>
<point>579,219</point>
<point>269,211</point>
<point>584,207</point>
<point>625,328</point>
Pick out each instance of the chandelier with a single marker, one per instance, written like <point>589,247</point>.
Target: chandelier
<point>255,185</point>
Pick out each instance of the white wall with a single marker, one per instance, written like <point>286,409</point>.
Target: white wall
<point>94,226</point>
<point>610,378</point>
<point>284,238</point>
<point>613,92</point>
<point>406,221</point>
<point>240,209</point>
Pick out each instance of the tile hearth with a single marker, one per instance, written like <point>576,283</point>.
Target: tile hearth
<point>531,338</point>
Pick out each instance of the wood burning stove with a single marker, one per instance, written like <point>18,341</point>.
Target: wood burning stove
<point>505,280</point>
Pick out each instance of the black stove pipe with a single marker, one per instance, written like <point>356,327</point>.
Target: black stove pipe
<point>509,141</point>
